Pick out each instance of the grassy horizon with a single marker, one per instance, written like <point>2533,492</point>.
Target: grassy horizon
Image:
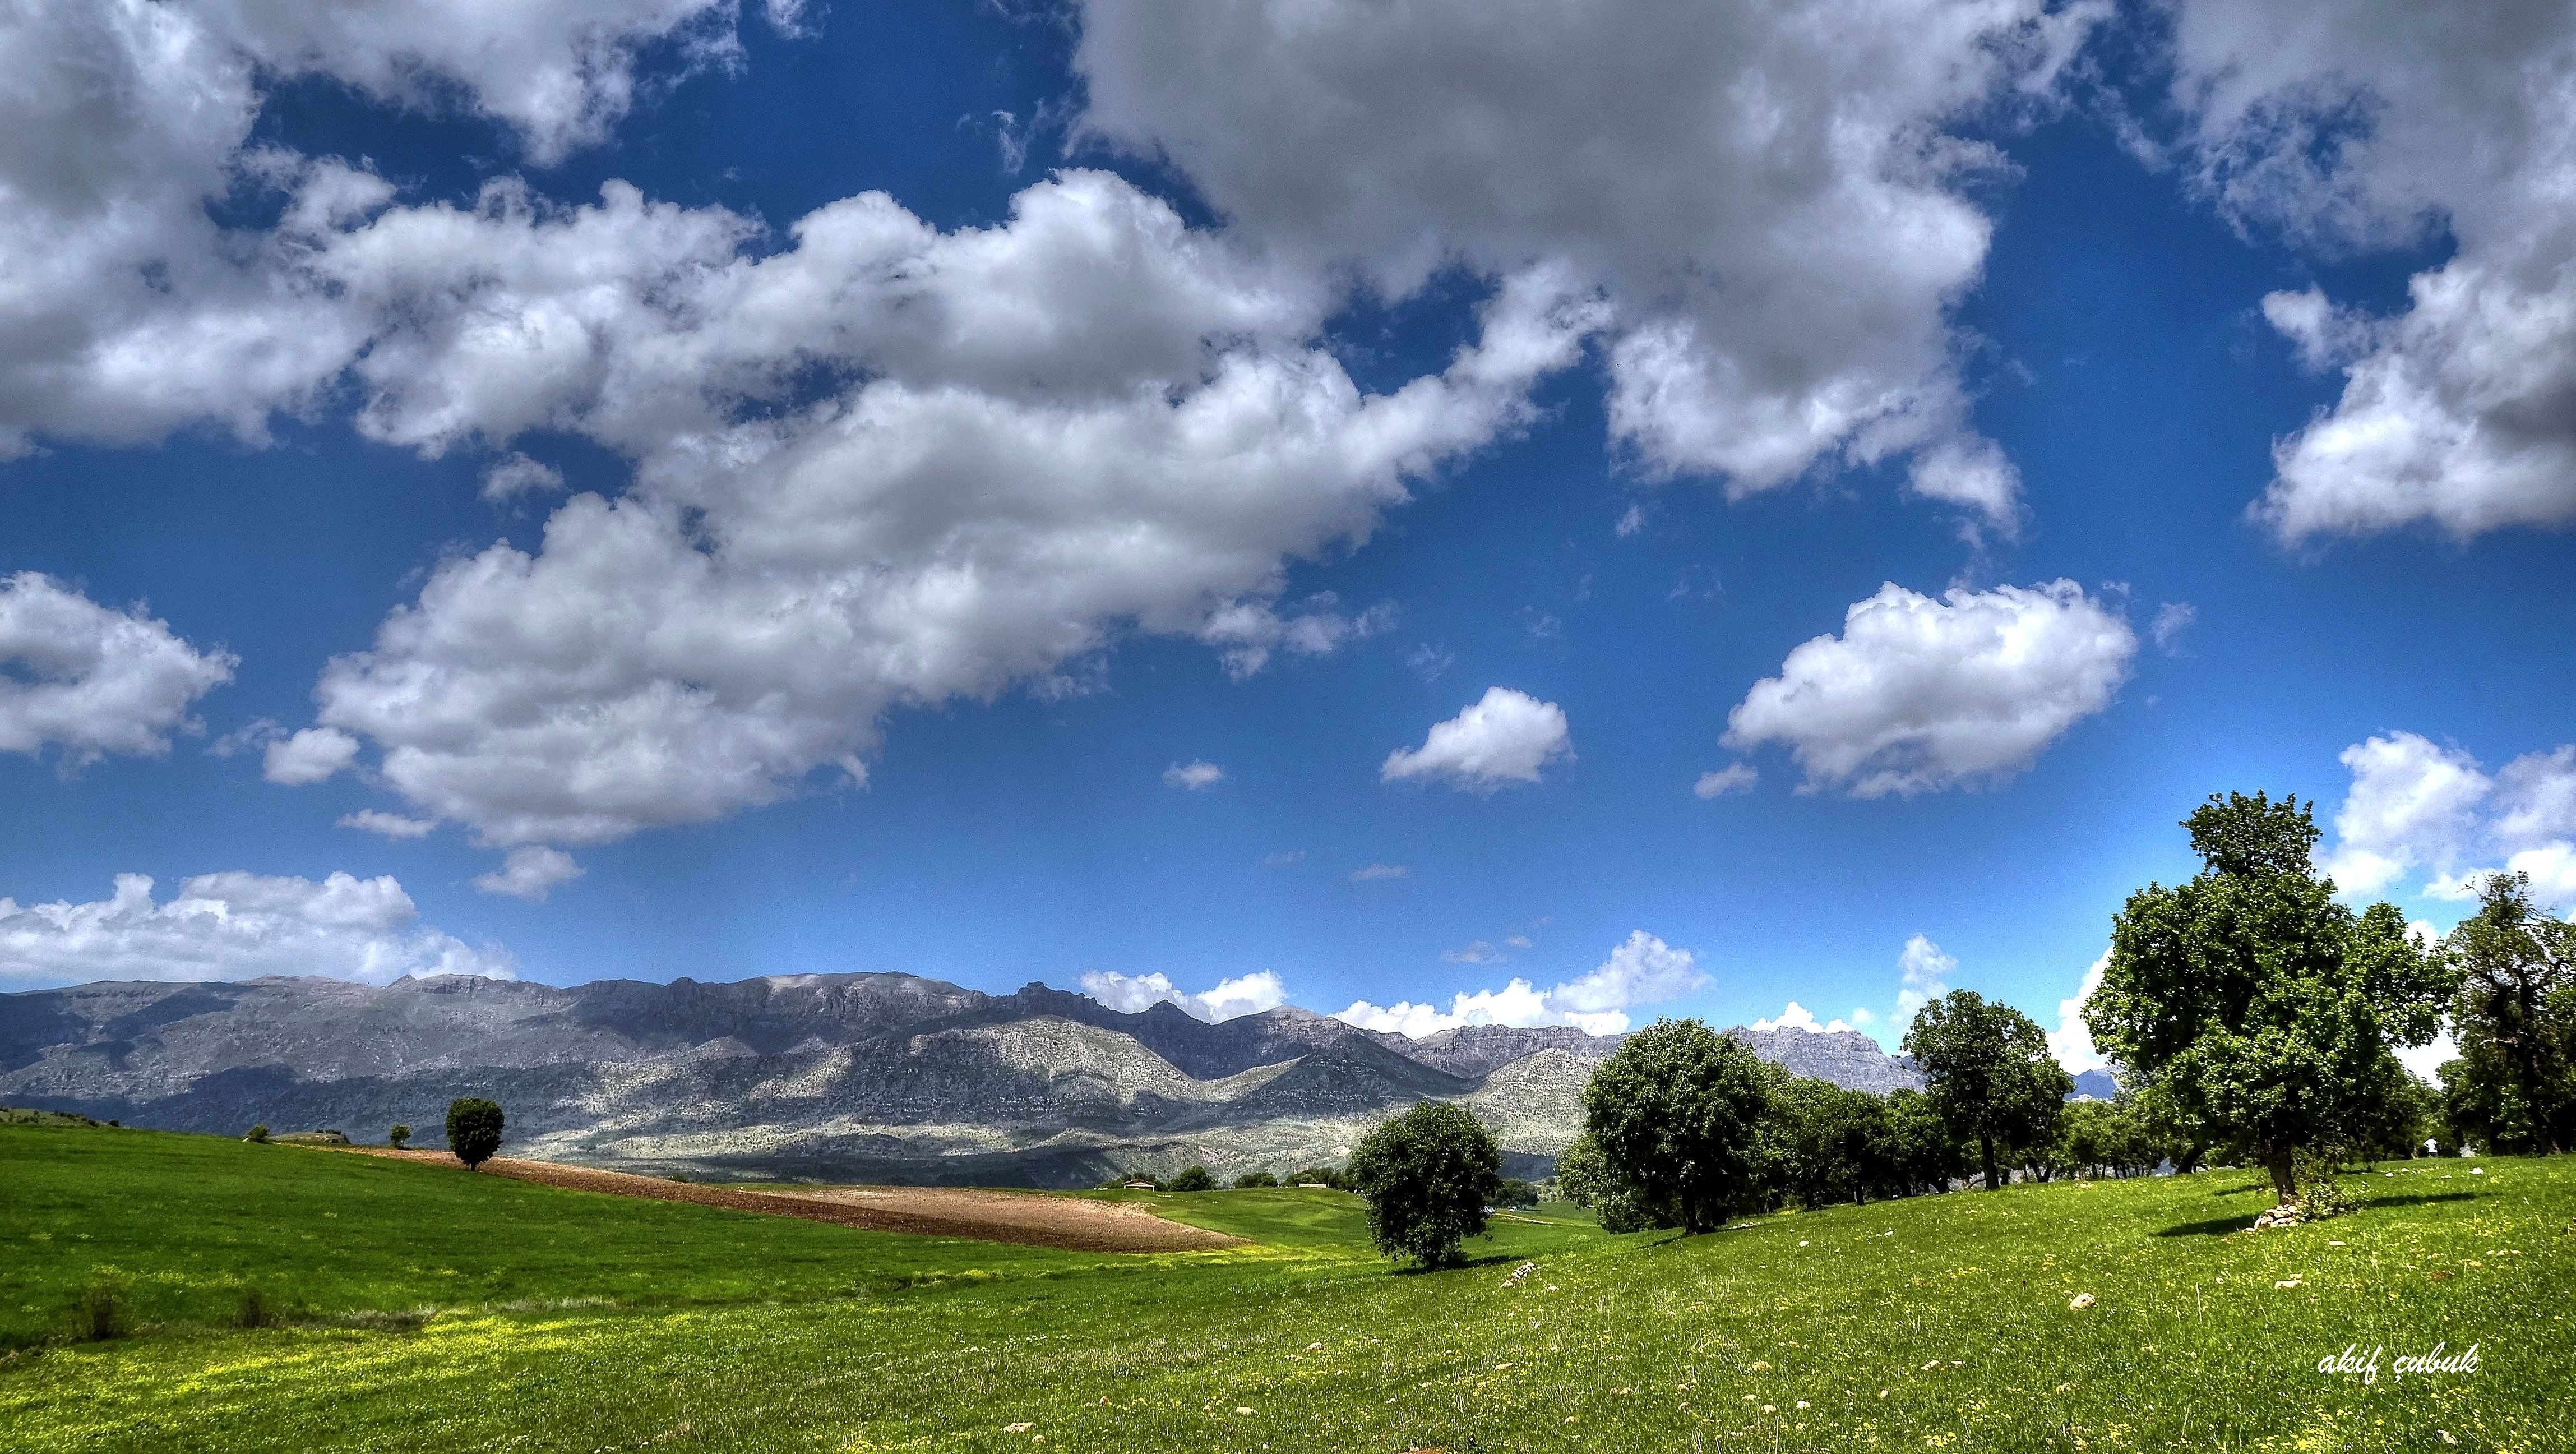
<point>1938,1322</point>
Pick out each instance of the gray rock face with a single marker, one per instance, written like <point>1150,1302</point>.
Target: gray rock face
<point>1848,1058</point>
<point>884,1077</point>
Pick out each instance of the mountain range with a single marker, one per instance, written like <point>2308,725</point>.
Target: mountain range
<point>841,1077</point>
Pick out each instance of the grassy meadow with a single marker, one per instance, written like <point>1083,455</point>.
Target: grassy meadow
<point>416,1307</point>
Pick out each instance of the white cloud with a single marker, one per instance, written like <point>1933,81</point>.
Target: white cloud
<point>313,755</point>
<point>1924,974</point>
<point>1482,951</point>
<point>1377,871</point>
<point>1632,520</point>
<point>1243,995</point>
<point>1642,970</point>
<point>1919,695</point>
<point>1799,1017</point>
<point>1084,421</point>
<point>1735,777</point>
<point>2173,618</point>
<point>128,310</point>
<point>1505,737</point>
<point>389,825</point>
<point>2426,1059</point>
<point>2379,123</point>
<point>530,872</point>
<point>2072,1041</point>
<point>1768,196</point>
<point>1194,776</point>
<point>515,474</point>
<point>236,926</point>
<point>89,681</point>
<point>1246,633</point>
<point>2415,806</point>
<point>1864,1015</point>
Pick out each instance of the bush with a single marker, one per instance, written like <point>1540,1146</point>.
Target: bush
<point>1516,1193</point>
<point>1428,1175</point>
<point>1252,1179</point>
<point>1193,1178</point>
<point>258,1133</point>
<point>2319,1194</point>
<point>473,1129</point>
<point>397,1136</point>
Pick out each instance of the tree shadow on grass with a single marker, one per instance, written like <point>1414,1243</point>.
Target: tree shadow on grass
<point>2221,1226</point>
<point>2417,1201</point>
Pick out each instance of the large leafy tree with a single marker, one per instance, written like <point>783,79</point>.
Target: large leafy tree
<point>1990,1075</point>
<point>1677,1112</point>
<point>2262,1011</point>
<point>1428,1176</point>
<point>1828,1144</point>
<point>2515,1021</point>
<point>473,1130</point>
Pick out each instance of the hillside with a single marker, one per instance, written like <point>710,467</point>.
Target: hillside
<point>854,1077</point>
<point>417,1307</point>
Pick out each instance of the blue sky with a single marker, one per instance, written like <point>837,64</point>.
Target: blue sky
<point>1238,392</point>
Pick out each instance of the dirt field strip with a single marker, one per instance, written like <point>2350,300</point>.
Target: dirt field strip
<point>1032,1218</point>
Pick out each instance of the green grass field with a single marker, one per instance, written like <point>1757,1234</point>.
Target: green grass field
<point>433,1310</point>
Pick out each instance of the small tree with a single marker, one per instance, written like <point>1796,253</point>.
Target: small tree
<point>1428,1175</point>
<point>258,1132</point>
<point>1990,1074</point>
<point>2260,1011</point>
<point>396,1137</point>
<point>473,1130</point>
<point>1252,1179</point>
<point>1676,1112</point>
<point>1192,1178</point>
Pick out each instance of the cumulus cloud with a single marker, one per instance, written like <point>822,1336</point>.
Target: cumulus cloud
<point>1194,776</point>
<point>236,926</point>
<point>515,474</point>
<point>1643,970</point>
<point>2416,806</point>
<point>313,755</point>
<point>128,310</point>
<point>1923,974</point>
<point>2382,124</point>
<point>2072,1041</point>
<point>530,872</point>
<point>1919,695</point>
<point>1086,420</point>
<point>1769,197</point>
<point>388,825</point>
<point>1735,777</point>
<point>1505,737</point>
<point>1247,994</point>
<point>92,682</point>
<point>1799,1017</point>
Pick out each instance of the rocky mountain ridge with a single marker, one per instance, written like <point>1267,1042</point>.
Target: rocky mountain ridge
<point>851,1077</point>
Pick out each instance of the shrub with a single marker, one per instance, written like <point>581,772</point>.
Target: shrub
<point>2319,1194</point>
<point>397,1136</point>
<point>1516,1193</point>
<point>473,1129</point>
<point>258,1133</point>
<point>1428,1175</point>
<point>1193,1178</point>
<point>1252,1179</point>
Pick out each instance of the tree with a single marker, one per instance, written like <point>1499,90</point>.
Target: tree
<point>1428,1175</point>
<point>1827,1144</point>
<point>473,1130</point>
<point>258,1133</point>
<point>1581,1174</point>
<point>1192,1178</point>
<point>1989,1073</point>
<point>2261,1011</point>
<point>1923,1153</point>
<point>397,1136</point>
<point>1677,1112</point>
<point>2515,1020</point>
<point>1516,1193</point>
<point>1330,1176</point>
<point>1252,1179</point>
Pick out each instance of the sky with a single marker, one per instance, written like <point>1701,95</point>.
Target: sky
<point>1764,513</point>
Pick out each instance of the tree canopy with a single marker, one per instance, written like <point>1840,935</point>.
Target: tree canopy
<point>2515,1021</point>
<point>1676,1112</point>
<point>1990,1075</point>
<point>2262,1010</point>
<point>1428,1176</point>
<point>473,1129</point>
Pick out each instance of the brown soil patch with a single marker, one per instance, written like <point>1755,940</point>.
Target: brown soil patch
<point>1032,1218</point>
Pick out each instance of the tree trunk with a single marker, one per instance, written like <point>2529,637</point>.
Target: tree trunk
<point>1986,1145</point>
<point>2276,1158</point>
